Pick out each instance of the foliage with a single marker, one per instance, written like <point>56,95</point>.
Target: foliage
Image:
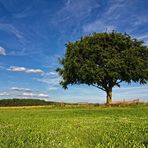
<point>85,127</point>
<point>104,60</point>
<point>23,102</point>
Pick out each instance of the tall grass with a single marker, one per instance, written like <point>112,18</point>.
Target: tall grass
<point>74,127</point>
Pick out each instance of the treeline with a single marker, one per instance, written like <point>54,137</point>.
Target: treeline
<point>24,102</point>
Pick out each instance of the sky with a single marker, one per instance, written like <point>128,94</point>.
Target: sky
<point>33,34</point>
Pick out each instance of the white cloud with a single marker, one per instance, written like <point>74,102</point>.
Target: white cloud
<point>34,95</point>
<point>52,88</point>
<point>4,94</point>
<point>43,95</point>
<point>34,71</point>
<point>23,69</point>
<point>2,51</point>
<point>15,92</point>
<point>17,69</point>
<point>21,89</point>
<point>51,74</point>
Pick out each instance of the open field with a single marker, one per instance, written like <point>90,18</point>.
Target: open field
<point>74,127</point>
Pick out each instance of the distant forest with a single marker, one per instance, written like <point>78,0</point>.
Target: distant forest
<point>24,102</point>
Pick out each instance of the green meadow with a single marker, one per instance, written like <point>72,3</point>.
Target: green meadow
<point>74,127</point>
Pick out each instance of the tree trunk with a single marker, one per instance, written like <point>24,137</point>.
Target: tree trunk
<point>109,96</point>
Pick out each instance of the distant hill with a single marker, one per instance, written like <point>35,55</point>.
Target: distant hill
<point>24,102</point>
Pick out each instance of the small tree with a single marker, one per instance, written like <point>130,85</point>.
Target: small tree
<point>104,60</point>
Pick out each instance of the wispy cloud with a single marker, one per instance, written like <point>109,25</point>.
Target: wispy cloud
<point>97,26</point>
<point>11,29</point>
<point>78,9</point>
<point>143,37</point>
<point>106,22</point>
<point>25,70</point>
<point>2,51</point>
<point>116,15</point>
<point>131,93</point>
<point>51,79</point>
<point>140,20</point>
<point>21,89</point>
<point>23,52</point>
<point>71,17</point>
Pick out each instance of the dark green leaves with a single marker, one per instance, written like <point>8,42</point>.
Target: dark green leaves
<point>103,59</point>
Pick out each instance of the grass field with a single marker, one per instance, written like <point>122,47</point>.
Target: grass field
<point>74,127</point>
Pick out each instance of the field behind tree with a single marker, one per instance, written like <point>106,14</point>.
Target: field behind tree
<point>74,127</point>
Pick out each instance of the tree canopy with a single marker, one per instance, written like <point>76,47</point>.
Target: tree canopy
<point>104,60</point>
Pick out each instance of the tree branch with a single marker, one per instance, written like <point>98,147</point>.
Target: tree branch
<point>98,87</point>
<point>119,81</point>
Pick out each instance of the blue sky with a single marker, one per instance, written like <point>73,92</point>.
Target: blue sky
<point>33,34</point>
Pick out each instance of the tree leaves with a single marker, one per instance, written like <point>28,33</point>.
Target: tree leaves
<point>104,59</point>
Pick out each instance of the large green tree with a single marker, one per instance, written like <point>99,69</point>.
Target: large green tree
<point>104,60</point>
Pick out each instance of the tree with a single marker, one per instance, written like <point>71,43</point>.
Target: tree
<point>104,60</point>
